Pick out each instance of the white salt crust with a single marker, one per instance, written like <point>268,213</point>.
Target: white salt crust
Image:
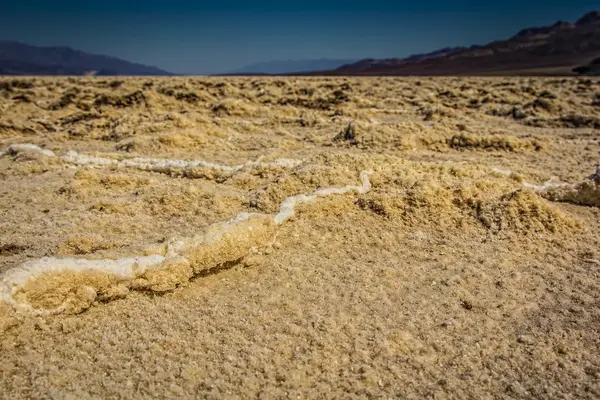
<point>127,269</point>
<point>26,147</point>
<point>146,164</point>
<point>166,165</point>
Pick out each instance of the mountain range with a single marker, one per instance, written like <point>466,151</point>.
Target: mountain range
<point>563,48</point>
<point>23,59</point>
<point>556,49</point>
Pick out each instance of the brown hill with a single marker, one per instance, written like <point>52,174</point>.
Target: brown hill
<point>554,49</point>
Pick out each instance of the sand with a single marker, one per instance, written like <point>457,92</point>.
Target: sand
<point>299,237</point>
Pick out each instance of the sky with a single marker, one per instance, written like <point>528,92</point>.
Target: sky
<point>205,37</point>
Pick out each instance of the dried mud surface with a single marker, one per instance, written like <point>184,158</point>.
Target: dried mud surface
<point>470,269</point>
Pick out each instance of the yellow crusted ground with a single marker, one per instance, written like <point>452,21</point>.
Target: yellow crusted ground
<point>450,278</point>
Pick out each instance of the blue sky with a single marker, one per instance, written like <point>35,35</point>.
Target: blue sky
<point>198,37</point>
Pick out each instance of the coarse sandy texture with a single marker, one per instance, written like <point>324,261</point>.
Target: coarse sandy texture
<point>464,264</point>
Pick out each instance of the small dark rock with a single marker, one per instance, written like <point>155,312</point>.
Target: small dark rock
<point>467,305</point>
<point>517,113</point>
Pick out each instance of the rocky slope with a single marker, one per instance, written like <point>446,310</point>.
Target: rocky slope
<point>551,50</point>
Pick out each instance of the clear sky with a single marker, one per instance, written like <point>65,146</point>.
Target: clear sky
<point>199,37</point>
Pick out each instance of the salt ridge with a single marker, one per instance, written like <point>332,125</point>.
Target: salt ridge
<point>163,165</point>
<point>183,252</point>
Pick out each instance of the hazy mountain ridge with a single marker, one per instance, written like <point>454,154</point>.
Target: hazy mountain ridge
<point>289,66</point>
<point>23,59</point>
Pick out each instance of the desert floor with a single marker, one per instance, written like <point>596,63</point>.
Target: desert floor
<point>470,268</point>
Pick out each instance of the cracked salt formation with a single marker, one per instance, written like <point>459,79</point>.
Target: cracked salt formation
<point>54,285</point>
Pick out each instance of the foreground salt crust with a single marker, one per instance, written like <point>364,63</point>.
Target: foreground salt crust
<point>54,285</point>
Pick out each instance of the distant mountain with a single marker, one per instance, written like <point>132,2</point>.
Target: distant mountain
<point>289,66</point>
<point>23,59</point>
<point>555,49</point>
<point>370,63</point>
<point>434,54</point>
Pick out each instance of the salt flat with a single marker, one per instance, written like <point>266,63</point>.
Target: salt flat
<point>299,237</point>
